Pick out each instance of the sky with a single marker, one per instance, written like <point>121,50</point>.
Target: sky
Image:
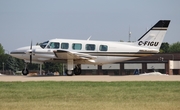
<point>23,21</point>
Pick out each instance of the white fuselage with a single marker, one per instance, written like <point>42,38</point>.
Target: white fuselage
<point>113,52</point>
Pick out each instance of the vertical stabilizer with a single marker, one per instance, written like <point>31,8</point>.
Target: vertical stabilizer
<point>153,38</point>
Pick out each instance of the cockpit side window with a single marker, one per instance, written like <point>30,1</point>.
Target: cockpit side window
<point>53,45</point>
<point>43,45</point>
<point>64,45</point>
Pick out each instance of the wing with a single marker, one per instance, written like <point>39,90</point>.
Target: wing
<point>67,55</point>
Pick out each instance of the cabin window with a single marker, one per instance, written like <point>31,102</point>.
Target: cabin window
<point>90,47</point>
<point>64,45</point>
<point>103,47</point>
<point>77,46</point>
<point>53,45</point>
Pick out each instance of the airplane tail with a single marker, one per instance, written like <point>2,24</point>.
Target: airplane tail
<point>153,38</point>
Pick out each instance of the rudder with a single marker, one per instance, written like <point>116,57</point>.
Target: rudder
<point>153,37</point>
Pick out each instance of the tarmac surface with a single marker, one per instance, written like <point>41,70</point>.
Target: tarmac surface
<point>104,78</point>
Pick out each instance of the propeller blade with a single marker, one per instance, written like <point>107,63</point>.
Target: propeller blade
<point>31,53</point>
<point>30,59</point>
<point>31,45</point>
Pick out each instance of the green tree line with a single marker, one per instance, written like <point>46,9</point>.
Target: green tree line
<point>170,48</point>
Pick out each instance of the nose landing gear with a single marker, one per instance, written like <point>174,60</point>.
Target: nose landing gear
<point>25,71</point>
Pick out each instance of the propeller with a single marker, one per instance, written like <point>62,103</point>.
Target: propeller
<point>31,53</point>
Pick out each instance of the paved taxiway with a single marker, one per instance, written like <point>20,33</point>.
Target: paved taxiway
<point>104,78</point>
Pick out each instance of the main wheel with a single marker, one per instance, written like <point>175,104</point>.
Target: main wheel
<point>25,72</point>
<point>69,72</point>
<point>77,71</point>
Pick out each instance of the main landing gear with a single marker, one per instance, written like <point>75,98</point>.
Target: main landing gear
<point>76,71</point>
<point>70,70</point>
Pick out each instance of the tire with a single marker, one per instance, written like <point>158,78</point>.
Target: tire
<point>69,72</point>
<point>25,72</point>
<point>77,71</point>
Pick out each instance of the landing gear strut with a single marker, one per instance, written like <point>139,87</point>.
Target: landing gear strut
<point>69,70</point>
<point>25,71</point>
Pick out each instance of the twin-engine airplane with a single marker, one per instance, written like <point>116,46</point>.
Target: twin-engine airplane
<point>92,52</point>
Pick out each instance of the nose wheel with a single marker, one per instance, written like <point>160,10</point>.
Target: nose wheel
<point>25,71</point>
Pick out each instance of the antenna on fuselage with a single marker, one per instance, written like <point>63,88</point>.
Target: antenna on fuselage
<point>89,38</point>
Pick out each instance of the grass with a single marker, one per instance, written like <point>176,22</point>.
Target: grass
<point>89,95</point>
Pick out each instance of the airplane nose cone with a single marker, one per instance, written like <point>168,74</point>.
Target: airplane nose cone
<point>18,53</point>
<point>24,52</point>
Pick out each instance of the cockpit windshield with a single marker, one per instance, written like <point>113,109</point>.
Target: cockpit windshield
<point>43,45</point>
